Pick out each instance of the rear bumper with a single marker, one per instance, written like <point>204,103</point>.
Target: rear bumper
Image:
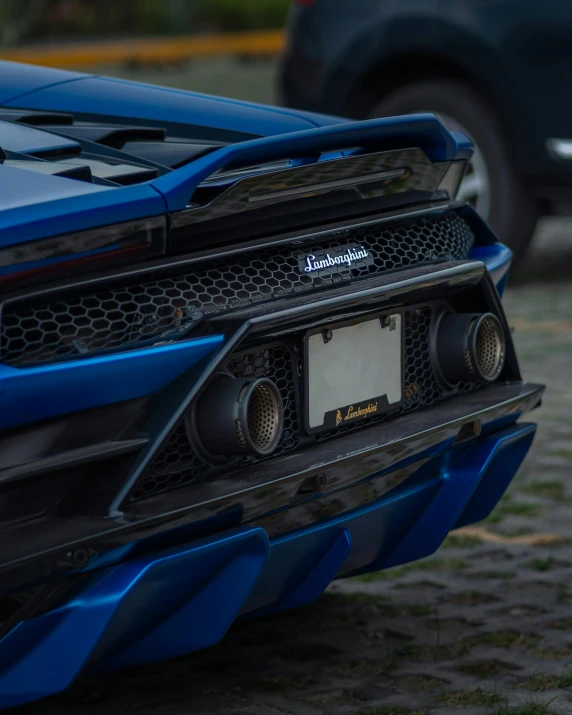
<point>142,603</point>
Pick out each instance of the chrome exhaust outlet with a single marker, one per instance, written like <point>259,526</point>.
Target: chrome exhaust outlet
<point>469,347</point>
<point>237,416</point>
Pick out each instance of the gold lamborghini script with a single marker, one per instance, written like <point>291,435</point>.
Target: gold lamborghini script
<point>352,413</point>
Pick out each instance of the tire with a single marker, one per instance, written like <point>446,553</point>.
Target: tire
<point>506,206</point>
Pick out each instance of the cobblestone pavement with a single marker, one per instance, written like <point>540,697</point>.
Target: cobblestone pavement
<point>483,626</point>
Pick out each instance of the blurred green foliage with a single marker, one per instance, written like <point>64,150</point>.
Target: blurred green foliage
<point>228,15</point>
<point>60,20</point>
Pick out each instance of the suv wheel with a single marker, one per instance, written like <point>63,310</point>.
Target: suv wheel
<point>491,184</point>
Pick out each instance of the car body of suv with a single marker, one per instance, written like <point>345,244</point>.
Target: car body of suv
<point>497,70</point>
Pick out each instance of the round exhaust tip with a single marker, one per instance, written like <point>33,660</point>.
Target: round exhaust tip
<point>264,416</point>
<point>469,347</point>
<point>236,416</point>
<point>489,347</point>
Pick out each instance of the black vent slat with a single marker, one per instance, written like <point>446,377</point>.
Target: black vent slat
<point>124,174</point>
<point>171,154</point>
<point>112,136</point>
<point>125,317</point>
<point>80,171</point>
<point>35,119</point>
<point>95,150</point>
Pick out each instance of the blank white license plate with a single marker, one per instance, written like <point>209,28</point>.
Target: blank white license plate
<point>355,374</point>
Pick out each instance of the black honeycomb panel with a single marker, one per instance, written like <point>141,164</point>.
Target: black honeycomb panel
<point>176,463</point>
<point>120,318</point>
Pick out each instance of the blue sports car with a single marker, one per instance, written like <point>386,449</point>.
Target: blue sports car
<point>244,351</point>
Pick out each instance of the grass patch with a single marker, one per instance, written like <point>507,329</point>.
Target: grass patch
<point>472,598</point>
<point>494,573</point>
<point>547,652</point>
<point>516,531</point>
<point>550,490</point>
<point>418,682</point>
<point>283,683</point>
<point>564,453</point>
<point>363,598</point>
<point>423,565</point>
<point>380,603</point>
<point>541,564</point>
<point>541,681</point>
<point>415,609</point>
<point>519,509</point>
<point>461,541</point>
<point>475,697</point>
<point>389,710</point>
<point>531,708</point>
<point>501,639</point>
<point>562,624</point>
<point>426,653</point>
<point>485,668</point>
<point>508,507</point>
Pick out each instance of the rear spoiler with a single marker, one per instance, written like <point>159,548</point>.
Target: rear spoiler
<point>424,131</point>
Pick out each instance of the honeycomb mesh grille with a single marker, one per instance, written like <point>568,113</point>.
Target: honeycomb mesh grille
<point>124,317</point>
<point>176,463</point>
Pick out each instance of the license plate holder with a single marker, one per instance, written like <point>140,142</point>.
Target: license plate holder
<point>357,373</point>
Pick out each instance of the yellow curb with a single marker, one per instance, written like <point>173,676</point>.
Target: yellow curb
<point>268,42</point>
<point>526,539</point>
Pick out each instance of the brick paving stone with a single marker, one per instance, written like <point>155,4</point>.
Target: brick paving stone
<point>482,627</point>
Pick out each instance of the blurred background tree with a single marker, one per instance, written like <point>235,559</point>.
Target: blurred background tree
<point>18,17</point>
<point>35,21</point>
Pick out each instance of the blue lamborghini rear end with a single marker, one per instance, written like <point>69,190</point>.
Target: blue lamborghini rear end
<point>244,351</point>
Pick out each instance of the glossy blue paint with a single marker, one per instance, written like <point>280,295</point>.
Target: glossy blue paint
<point>497,258</point>
<point>504,462</point>
<point>34,393</point>
<point>422,130</point>
<point>294,578</point>
<point>122,98</point>
<point>34,205</point>
<point>18,80</point>
<point>180,600</point>
<point>171,611</point>
<point>28,140</point>
<point>159,606</point>
<point>460,476</point>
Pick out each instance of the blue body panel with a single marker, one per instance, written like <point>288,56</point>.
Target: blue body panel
<point>18,80</point>
<point>176,602</point>
<point>30,394</point>
<point>30,86</point>
<point>27,140</point>
<point>497,258</point>
<point>34,206</point>
<point>134,100</point>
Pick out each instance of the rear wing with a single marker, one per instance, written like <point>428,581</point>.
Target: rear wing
<point>423,131</point>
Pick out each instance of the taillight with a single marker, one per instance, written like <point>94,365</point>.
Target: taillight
<point>85,250</point>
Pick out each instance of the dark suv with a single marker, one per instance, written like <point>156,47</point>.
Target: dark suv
<point>497,69</point>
